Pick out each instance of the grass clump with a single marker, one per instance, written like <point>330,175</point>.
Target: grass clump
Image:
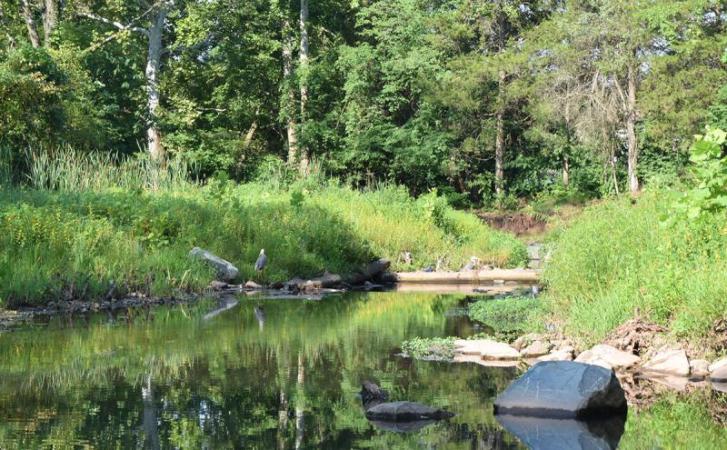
<point>437,349</point>
<point>73,239</point>
<point>619,259</point>
<point>677,422</point>
<point>507,317</point>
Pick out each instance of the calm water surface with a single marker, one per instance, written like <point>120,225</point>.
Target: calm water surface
<point>264,374</point>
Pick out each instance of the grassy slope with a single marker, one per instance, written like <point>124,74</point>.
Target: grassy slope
<point>618,259</point>
<point>62,243</point>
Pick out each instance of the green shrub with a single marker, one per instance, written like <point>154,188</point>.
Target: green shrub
<point>429,348</point>
<point>506,317</point>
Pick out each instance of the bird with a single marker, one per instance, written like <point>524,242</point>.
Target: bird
<point>473,264</point>
<point>262,260</point>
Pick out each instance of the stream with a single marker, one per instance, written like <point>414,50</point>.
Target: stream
<point>258,374</point>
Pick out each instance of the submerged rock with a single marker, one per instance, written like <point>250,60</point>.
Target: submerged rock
<point>563,389</point>
<point>225,270</point>
<point>405,412</point>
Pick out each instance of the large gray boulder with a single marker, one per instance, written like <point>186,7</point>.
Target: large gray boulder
<point>225,270</point>
<point>405,412</point>
<point>565,390</point>
<point>538,433</point>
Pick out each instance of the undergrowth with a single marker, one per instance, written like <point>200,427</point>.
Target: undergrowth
<point>84,236</point>
<point>507,317</point>
<point>620,259</point>
<point>429,348</point>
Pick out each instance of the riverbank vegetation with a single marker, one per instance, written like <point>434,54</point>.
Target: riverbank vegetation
<point>84,237</point>
<point>662,257</point>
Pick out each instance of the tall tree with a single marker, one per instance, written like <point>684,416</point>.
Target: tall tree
<point>289,87</point>
<point>27,12</point>
<point>304,57</point>
<point>149,21</point>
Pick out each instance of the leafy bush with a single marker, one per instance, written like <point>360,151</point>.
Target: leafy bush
<point>507,317</point>
<point>429,348</point>
<point>710,173</point>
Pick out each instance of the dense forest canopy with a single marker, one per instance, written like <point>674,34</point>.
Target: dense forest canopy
<point>481,99</point>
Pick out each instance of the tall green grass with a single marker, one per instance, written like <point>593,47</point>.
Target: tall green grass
<point>75,232</point>
<point>618,260</point>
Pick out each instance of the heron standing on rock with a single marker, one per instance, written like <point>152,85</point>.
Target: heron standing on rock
<point>262,260</point>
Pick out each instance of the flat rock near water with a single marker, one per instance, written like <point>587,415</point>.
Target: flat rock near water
<point>487,349</point>
<point>563,390</point>
<point>565,434</point>
<point>608,357</point>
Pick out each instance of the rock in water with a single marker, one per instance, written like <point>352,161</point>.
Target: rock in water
<point>372,395</point>
<point>563,390</point>
<point>225,270</point>
<point>405,412</point>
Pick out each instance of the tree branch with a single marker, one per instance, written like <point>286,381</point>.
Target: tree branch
<point>120,26</point>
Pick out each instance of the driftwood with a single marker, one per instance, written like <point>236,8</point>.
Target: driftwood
<point>520,275</point>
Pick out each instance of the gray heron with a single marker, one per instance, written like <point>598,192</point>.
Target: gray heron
<point>262,260</point>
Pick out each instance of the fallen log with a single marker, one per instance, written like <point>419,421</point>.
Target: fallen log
<point>520,275</point>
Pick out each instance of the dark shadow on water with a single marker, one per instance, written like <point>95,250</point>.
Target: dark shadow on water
<point>558,434</point>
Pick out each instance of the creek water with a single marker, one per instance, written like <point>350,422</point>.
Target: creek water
<point>260,374</point>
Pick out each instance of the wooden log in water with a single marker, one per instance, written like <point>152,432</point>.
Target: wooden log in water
<point>474,276</point>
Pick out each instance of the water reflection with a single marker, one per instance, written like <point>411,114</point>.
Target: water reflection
<point>558,434</point>
<point>260,374</point>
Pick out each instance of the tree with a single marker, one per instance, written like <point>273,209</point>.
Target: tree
<point>304,56</point>
<point>149,21</point>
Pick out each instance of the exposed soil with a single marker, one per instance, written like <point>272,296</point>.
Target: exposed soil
<point>520,224</point>
<point>636,336</point>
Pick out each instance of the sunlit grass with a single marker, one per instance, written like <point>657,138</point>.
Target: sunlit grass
<point>618,260</point>
<point>88,223</point>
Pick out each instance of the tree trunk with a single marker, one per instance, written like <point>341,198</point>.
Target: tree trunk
<point>153,62</point>
<point>631,132</point>
<point>30,23</point>
<point>566,171</point>
<point>249,135</point>
<point>500,139</point>
<point>287,76</point>
<point>50,19</point>
<point>303,57</point>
